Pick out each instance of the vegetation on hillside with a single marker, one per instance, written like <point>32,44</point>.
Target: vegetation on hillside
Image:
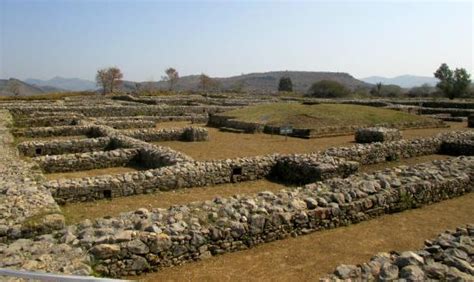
<point>328,89</point>
<point>285,84</point>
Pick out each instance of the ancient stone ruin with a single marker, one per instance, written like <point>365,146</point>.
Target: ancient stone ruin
<point>327,188</point>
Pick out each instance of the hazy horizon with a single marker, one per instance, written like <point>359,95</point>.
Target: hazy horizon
<point>44,39</point>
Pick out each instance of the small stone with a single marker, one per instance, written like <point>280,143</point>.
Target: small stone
<point>104,251</point>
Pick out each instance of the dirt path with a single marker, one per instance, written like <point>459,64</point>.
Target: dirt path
<point>308,257</point>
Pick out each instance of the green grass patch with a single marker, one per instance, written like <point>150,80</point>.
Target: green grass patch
<point>314,116</point>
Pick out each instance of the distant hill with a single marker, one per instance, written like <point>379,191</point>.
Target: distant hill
<point>264,82</point>
<point>72,84</point>
<point>405,81</point>
<point>6,86</point>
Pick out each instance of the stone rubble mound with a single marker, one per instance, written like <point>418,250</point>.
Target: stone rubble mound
<point>448,257</point>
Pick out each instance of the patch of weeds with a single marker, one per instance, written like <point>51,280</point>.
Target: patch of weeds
<point>406,201</point>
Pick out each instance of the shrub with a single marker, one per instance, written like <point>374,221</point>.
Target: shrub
<point>328,89</point>
<point>285,84</point>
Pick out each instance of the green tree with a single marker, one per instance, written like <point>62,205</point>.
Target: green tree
<point>452,84</point>
<point>285,84</point>
<point>328,89</point>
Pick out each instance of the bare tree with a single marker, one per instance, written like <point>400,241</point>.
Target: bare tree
<point>172,77</point>
<point>109,79</point>
<point>14,87</point>
<point>101,79</point>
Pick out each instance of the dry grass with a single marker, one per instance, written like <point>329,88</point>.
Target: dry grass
<point>315,116</point>
<point>223,145</point>
<point>308,257</point>
<point>89,173</point>
<point>80,211</point>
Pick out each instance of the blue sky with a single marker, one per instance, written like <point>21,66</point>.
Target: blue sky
<point>45,38</point>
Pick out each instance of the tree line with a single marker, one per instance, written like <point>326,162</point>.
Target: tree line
<point>452,84</point>
<point>109,79</point>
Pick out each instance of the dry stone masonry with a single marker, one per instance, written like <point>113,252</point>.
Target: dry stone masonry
<point>26,208</point>
<point>448,257</point>
<point>377,134</point>
<point>147,240</point>
<point>33,234</point>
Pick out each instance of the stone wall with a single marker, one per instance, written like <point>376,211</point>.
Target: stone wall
<point>377,134</point>
<point>181,175</point>
<point>458,147</point>
<point>168,134</point>
<point>57,147</point>
<point>36,132</point>
<point>46,121</point>
<point>87,161</point>
<point>143,240</point>
<point>26,207</point>
<point>222,121</point>
<point>448,257</point>
<point>169,170</point>
<point>120,110</point>
<point>307,168</point>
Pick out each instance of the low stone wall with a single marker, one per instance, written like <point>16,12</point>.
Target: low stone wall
<point>36,132</point>
<point>377,134</point>
<point>181,175</point>
<point>458,147</point>
<point>304,169</point>
<point>222,121</point>
<point>381,152</point>
<point>195,118</point>
<point>126,124</point>
<point>121,110</point>
<point>452,111</point>
<point>143,240</point>
<point>57,147</point>
<point>87,161</point>
<point>448,257</point>
<point>48,121</point>
<point>26,208</point>
<point>169,134</point>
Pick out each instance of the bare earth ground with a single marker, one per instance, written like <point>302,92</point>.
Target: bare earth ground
<point>308,257</point>
<point>223,145</point>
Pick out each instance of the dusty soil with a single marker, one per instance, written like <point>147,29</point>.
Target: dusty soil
<point>308,257</point>
<point>79,211</point>
<point>223,145</point>
<point>89,173</point>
